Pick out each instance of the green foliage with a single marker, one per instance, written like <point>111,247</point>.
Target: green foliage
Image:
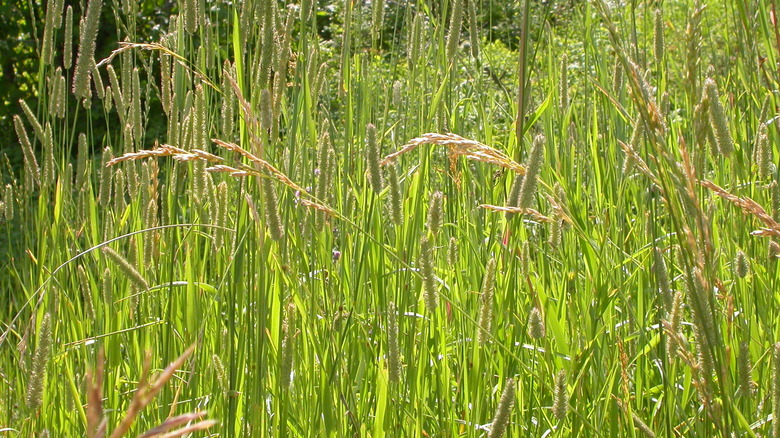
<point>238,234</point>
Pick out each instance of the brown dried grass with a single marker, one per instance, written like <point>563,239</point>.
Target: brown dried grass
<point>749,206</point>
<point>459,146</point>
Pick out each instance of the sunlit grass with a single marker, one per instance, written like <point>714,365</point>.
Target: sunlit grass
<point>312,216</point>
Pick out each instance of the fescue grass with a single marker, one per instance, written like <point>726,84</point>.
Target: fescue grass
<point>389,224</point>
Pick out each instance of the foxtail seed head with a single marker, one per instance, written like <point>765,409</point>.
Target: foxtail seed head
<point>560,396</point>
<point>40,359</point>
<point>528,189</point>
<point>486,309</point>
<point>536,329</point>
<point>741,265</point>
<point>393,352</point>
<point>426,262</point>
<point>503,411</point>
<point>373,155</point>
<point>435,213</point>
<point>718,119</point>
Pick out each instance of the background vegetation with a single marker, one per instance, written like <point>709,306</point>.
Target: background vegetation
<point>265,196</point>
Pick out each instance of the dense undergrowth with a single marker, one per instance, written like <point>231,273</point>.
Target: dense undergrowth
<point>380,219</point>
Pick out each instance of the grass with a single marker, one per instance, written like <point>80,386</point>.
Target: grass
<point>241,254</point>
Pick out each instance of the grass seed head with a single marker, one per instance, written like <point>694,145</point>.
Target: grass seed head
<point>372,159</point>
<point>426,263</point>
<point>395,198</point>
<point>560,396</point>
<point>658,41</point>
<point>741,264</point>
<point>435,213</point>
<point>563,85</point>
<point>534,167</point>
<point>85,60</point>
<point>394,366</point>
<point>453,253</point>
<point>126,267</point>
<point>746,384</point>
<point>67,51</point>
<point>536,329</point>
<point>486,308</point>
<point>453,33</point>
<point>504,410</point>
<point>8,202</point>
<point>288,347</point>
<point>86,291</point>
<point>37,380</point>
<point>718,119</point>
<point>514,194</point>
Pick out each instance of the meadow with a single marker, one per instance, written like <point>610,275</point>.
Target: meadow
<point>402,218</point>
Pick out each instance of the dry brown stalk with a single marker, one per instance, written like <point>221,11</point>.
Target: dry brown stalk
<point>232,171</point>
<point>176,421</point>
<point>125,46</point>
<point>146,391</point>
<point>459,146</point>
<point>639,162</point>
<point>95,427</point>
<point>749,206</point>
<point>558,210</point>
<point>323,208</point>
<point>164,150</point>
<point>518,210</point>
<point>263,164</point>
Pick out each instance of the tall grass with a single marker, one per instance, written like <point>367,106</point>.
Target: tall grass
<point>292,224</point>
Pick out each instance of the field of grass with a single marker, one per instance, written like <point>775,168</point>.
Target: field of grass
<point>396,218</point>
